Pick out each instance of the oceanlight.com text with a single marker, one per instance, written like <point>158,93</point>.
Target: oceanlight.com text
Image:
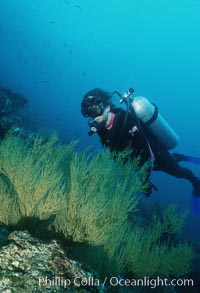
<point>150,282</point>
<point>114,281</point>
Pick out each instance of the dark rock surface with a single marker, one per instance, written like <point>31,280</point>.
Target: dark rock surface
<point>10,101</point>
<point>10,104</point>
<point>31,265</point>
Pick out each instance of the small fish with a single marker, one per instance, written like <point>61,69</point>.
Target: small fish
<point>58,73</point>
<point>83,73</point>
<point>70,52</point>
<point>66,2</point>
<point>79,7</point>
<point>45,81</point>
<point>53,22</point>
<point>65,45</point>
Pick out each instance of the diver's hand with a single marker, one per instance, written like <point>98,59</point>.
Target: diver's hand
<point>99,119</point>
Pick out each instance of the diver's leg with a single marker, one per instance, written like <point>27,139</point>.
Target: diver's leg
<point>165,162</point>
<point>182,157</point>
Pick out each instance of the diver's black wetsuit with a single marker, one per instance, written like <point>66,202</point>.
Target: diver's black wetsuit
<point>118,138</point>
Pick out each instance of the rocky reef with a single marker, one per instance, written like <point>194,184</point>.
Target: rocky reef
<point>31,265</point>
<point>10,103</point>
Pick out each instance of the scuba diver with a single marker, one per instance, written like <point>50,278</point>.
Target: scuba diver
<point>141,129</point>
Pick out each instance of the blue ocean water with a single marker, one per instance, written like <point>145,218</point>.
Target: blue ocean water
<point>54,51</point>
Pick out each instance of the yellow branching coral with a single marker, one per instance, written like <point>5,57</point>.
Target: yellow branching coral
<point>10,212</point>
<point>147,251</point>
<point>86,198</point>
<point>34,169</point>
<point>99,195</point>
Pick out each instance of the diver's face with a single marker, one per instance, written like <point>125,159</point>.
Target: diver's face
<point>104,116</point>
<point>95,110</point>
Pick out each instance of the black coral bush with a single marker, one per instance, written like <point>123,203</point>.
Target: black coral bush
<point>86,199</point>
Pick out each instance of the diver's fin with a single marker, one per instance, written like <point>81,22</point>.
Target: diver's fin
<point>195,204</point>
<point>195,201</point>
<point>181,157</point>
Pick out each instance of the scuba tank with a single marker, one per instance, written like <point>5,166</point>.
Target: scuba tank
<point>148,113</point>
